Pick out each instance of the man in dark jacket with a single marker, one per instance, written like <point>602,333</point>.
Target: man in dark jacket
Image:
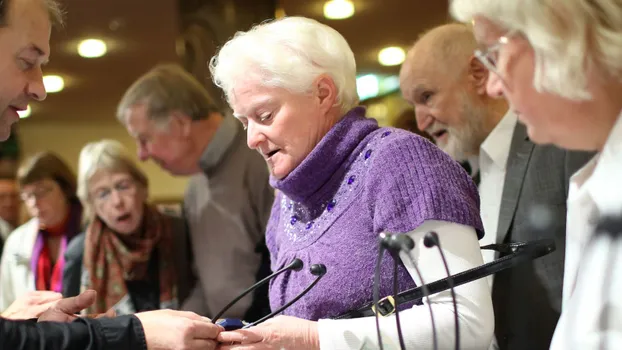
<point>25,27</point>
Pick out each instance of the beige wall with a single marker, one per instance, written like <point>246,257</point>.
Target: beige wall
<point>67,139</point>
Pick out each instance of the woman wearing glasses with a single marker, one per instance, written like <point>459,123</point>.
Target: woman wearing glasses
<point>131,254</point>
<point>559,64</point>
<point>33,257</point>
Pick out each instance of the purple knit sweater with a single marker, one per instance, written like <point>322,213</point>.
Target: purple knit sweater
<point>358,181</point>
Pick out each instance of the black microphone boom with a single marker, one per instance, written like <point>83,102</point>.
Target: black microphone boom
<point>318,270</point>
<point>295,265</point>
<point>430,240</point>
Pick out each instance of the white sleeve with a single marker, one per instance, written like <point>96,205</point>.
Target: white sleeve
<point>475,313</point>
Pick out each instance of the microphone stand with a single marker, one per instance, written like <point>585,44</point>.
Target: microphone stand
<point>430,240</point>
<point>318,270</point>
<point>295,265</point>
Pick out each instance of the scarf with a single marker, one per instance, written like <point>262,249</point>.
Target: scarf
<point>48,275</point>
<point>110,259</point>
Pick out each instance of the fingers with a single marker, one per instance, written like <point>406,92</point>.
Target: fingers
<point>202,344</point>
<point>204,330</point>
<point>76,304</point>
<point>242,336</point>
<point>40,297</point>
<point>37,310</point>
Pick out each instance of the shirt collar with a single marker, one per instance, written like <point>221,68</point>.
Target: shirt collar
<point>497,145</point>
<point>221,142</point>
<point>602,172</point>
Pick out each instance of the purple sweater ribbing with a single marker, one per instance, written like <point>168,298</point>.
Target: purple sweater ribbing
<point>358,181</point>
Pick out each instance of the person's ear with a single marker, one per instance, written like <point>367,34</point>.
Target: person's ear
<point>478,75</point>
<point>180,124</point>
<point>326,92</point>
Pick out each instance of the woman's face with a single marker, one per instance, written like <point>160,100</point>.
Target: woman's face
<point>548,117</point>
<point>282,126</point>
<point>46,201</point>
<point>118,200</point>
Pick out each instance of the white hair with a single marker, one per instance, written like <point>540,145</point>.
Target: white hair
<point>289,53</point>
<point>103,155</point>
<point>569,37</point>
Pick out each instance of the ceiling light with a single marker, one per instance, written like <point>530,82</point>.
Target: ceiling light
<point>391,56</point>
<point>26,113</point>
<point>53,83</point>
<point>338,9</point>
<point>92,48</point>
<point>367,86</point>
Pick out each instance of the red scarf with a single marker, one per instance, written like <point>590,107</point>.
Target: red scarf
<point>50,276</point>
<point>111,259</point>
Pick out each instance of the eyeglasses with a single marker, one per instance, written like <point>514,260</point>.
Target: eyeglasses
<point>489,56</point>
<point>37,193</point>
<point>123,188</point>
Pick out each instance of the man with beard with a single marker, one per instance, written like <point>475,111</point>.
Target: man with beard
<point>446,84</point>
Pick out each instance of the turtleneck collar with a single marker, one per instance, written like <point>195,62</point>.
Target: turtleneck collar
<point>327,156</point>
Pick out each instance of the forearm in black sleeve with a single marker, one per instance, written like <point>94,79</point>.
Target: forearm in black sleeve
<point>119,333</point>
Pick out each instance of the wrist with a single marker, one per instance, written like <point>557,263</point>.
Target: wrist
<point>313,336</point>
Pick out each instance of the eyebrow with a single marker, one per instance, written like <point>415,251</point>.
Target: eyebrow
<point>38,51</point>
<point>254,105</point>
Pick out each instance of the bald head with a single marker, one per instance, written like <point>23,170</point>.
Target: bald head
<point>446,84</point>
<point>444,50</point>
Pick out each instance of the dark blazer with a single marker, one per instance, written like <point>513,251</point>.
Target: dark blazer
<point>527,298</point>
<point>119,333</point>
<point>74,255</point>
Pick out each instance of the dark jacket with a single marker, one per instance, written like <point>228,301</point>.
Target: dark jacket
<point>145,296</point>
<point>527,298</point>
<point>119,333</point>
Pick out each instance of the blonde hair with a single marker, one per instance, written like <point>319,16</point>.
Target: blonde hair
<point>568,37</point>
<point>106,155</point>
<point>167,88</point>
<point>289,53</point>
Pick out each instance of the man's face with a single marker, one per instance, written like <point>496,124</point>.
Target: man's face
<point>24,48</point>
<point>445,108</point>
<point>166,145</point>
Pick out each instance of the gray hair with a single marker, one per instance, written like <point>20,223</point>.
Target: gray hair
<point>568,37</point>
<point>289,53</point>
<point>104,155</point>
<point>56,13</point>
<point>167,88</point>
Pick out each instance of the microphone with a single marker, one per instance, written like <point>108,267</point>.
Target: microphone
<point>318,270</point>
<point>430,240</point>
<point>295,265</point>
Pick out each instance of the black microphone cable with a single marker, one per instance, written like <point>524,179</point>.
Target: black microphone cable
<point>395,244</point>
<point>430,240</point>
<point>318,270</point>
<point>377,289</point>
<point>295,265</point>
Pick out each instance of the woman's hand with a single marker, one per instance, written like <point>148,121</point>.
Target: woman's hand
<point>281,332</point>
<point>31,305</point>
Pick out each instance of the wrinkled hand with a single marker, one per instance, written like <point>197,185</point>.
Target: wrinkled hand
<point>31,305</point>
<point>281,332</point>
<point>65,310</point>
<point>178,330</point>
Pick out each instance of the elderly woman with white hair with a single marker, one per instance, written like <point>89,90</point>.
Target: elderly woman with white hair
<point>559,64</point>
<point>132,255</point>
<point>342,180</point>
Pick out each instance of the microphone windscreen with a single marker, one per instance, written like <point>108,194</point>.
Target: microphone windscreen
<point>318,269</point>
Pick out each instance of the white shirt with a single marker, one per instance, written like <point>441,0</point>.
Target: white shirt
<point>493,157</point>
<point>461,248</point>
<point>595,190</point>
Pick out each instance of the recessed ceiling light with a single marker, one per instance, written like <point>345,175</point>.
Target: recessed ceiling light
<point>367,86</point>
<point>26,113</point>
<point>53,83</point>
<point>92,48</point>
<point>391,56</point>
<point>338,9</point>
